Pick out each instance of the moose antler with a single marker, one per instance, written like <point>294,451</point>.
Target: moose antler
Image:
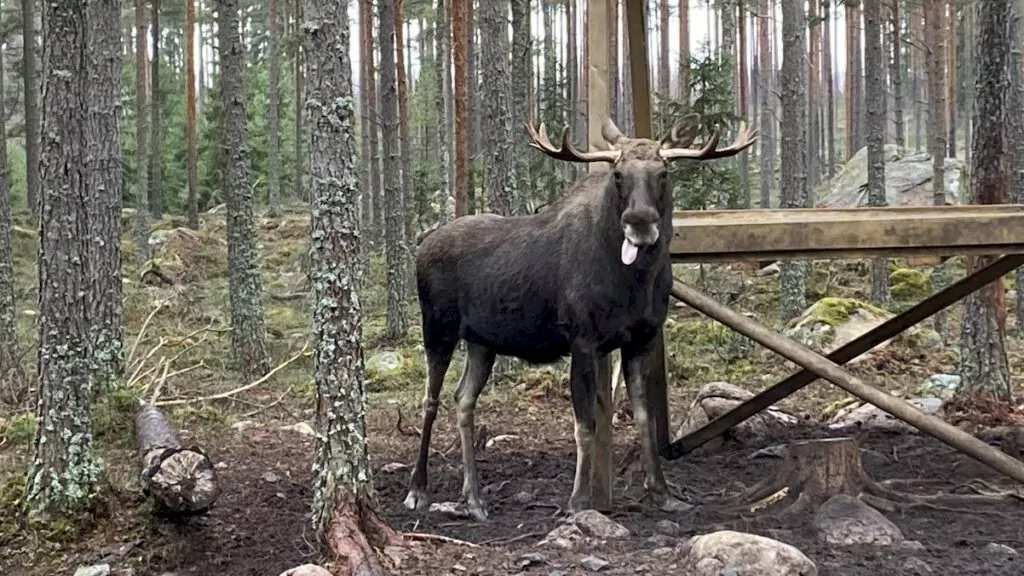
<point>746,137</point>
<point>683,132</point>
<point>567,151</point>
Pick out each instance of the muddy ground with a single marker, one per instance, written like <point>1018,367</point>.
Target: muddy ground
<point>260,524</point>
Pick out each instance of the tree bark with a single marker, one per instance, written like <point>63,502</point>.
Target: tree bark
<point>156,190</point>
<point>405,143</point>
<point>522,74</point>
<point>766,105</point>
<point>30,81</point>
<point>461,104</point>
<point>830,84</point>
<point>344,512</point>
<point>245,288</point>
<point>11,371</point>
<point>935,76</point>
<point>501,183</point>
<point>1015,135</point>
<point>273,114</point>
<point>444,104</point>
<point>950,46</point>
<point>896,74</point>
<point>794,142</point>
<point>614,100</point>
<point>394,228</point>
<point>297,75</point>
<point>181,480</point>
<point>983,362</point>
<point>876,95</point>
<point>367,124</point>
<point>141,195</point>
<point>663,67</point>
<point>192,168</point>
<point>813,98</point>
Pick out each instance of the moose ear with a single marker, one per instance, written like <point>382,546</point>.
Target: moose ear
<point>683,133</point>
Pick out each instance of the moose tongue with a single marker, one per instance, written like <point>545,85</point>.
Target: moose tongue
<point>628,252</point>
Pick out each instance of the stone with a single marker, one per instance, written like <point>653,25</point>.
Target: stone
<point>94,570</point>
<point>522,497</point>
<point>709,554</point>
<point>914,566</point>
<point>270,477</point>
<point>300,428</point>
<point>593,523</point>
<point>717,398</point>
<point>908,180</point>
<point>530,559</point>
<point>663,552</point>
<point>566,536</point>
<point>668,528</point>
<point>912,545</point>
<point>594,564</point>
<point>942,386</point>
<point>392,467</point>
<point>660,540</point>
<point>384,364</point>
<point>847,521</point>
<point>997,549</point>
<point>306,570</point>
<point>243,425</point>
<point>871,417</point>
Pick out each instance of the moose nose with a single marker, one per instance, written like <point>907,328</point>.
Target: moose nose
<point>640,217</point>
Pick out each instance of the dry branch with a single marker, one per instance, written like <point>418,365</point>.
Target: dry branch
<point>180,480</point>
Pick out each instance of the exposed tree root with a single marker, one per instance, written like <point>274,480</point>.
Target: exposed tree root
<point>815,470</point>
<point>354,531</point>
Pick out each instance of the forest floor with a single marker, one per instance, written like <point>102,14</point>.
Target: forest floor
<point>260,524</point>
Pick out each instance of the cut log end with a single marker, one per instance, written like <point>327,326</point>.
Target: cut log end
<point>180,480</point>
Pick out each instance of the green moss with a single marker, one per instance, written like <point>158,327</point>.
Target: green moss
<point>835,311</point>
<point>394,370</point>
<point>909,284</point>
<point>113,415</point>
<point>20,429</point>
<point>286,318</point>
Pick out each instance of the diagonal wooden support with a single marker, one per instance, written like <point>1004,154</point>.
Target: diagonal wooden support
<point>892,327</point>
<point>834,373</point>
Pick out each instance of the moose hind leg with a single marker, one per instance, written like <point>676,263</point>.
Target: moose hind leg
<point>479,361</point>
<point>635,366</point>
<point>438,359</point>
<point>583,387</point>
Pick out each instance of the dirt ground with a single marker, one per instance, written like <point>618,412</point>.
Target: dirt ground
<point>260,523</point>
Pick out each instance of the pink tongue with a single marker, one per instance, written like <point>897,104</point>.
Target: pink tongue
<point>628,252</point>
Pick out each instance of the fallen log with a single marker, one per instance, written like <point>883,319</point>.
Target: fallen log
<point>180,480</point>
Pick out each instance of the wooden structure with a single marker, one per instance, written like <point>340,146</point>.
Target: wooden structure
<point>758,235</point>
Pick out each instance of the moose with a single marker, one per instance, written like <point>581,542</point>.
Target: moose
<point>587,275</point>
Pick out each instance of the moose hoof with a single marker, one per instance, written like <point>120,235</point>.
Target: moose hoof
<point>671,504</point>
<point>577,504</point>
<point>477,512</point>
<point>416,500</point>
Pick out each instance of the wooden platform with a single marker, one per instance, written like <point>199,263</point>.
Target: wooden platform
<point>914,232</point>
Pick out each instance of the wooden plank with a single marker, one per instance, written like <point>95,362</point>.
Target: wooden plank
<point>637,36</point>
<point>598,105</point>
<point>737,235</point>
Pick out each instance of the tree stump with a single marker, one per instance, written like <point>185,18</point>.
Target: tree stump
<point>180,480</point>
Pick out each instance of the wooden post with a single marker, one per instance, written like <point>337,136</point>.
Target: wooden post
<point>597,112</point>
<point>657,392</point>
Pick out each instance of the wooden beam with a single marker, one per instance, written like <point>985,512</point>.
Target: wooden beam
<point>637,30</point>
<point>888,329</point>
<point>737,235</point>
<point>825,368</point>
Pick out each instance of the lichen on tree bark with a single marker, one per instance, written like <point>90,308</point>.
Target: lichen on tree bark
<point>983,362</point>
<point>245,289</point>
<point>794,142</point>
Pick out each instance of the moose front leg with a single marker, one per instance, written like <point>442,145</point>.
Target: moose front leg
<point>635,367</point>
<point>601,466</point>
<point>583,376</point>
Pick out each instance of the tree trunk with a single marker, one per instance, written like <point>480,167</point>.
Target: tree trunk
<point>916,27</point>
<point>368,57</point>
<point>461,105</point>
<point>273,114</point>
<point>403,130</point>
<point>794,142</point>
<point>936,79</point>
<point>31,87</point>
<point>684,52</point>
<point>245,289</point>
<point>614,101</point>
<point>663,65</point>
<point>444,106</point>
<point>499,155</point>
<point>181,481</point>
<point>190,116</point>
<point>970,36</point>
<point>874,63</point>
<point>830,87</point>
<point>813,98</point>
<point>571,105</point>
<point>743,74</point>
<point>367,126</point>
<point>298,76</point>
<point>767,115</point>
<point>896,74</point>
<point>472,108</point>
<point>1015,136</point>
<point>522,74</point>
<point>63,473</point>
<point>394,224</point>
<point>950,46</point>
<point>12,373</point>
<point>156,190</point>
<point>344,512</point>
<point>983,362</point>
<point>141,139</point>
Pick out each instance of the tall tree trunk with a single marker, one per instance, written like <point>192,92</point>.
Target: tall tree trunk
<point>918,62</point>
<point>369,176</point>
<point>874,64</point>
<point>983,363</point>
<point>245,289</point>
<point>663,64</point>
<point>1015,135</point>
<point>394,225</point>
<point>472,108</point>
<point>499,158</point>
<point>613,63</point>
<point>855,119</point>
<point>766,106</point>
<point>141,139</point>
<point>298,76</point>
<point>201,102</point>
<point>936,79</point>
<point>572,117</point>
<point>192,169</point>
<point>444,105</point>
<point>522,74</point>
<point>273,114</point>
<point>950,45</point>
<point>744,159</point>
<point>794,142</point>
<point>156,190</point>
<point>344,509</point>
<point>684,50</point>
<point>403,129</point>
<point>970,63</point>
<point>626,89</point>
<point>830,87</point>
<point>813,98</point>
<point>374,191</point>
<point>896,74</point>
<point>31,87</point>
<point>11,370</point>
<point>460,56</point>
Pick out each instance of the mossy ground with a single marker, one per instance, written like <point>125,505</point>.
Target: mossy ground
<point>188,329</point>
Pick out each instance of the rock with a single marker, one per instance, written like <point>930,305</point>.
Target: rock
<point>908,180</point>
<point>668,528</point>
<point>594,564</point>
<point>593,523</point>
<point>871,417</point>
<point>912,545</point>
<point>384,364</point>
<point>300,428</point>
<point>243,425</point>
<point>846,521</point>
<point>909,284</point>
<point>914,566</point>
<point>270,477</point>
<point>663,552</point>
<point>660,540</point>
<point>522,497</point>
<point>306,570</point>
<point>453,509</point>
<point>392,467</point>
<point>94,570</point>
<point>769,270</point>
<point>709,554</point>
<point>531,559</point>
<point>566,536</point>
<point>997,549</point>
<point>830,323</point>
<point>717,398</point>
<point>1009,439</point>
<point>940,385</point>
